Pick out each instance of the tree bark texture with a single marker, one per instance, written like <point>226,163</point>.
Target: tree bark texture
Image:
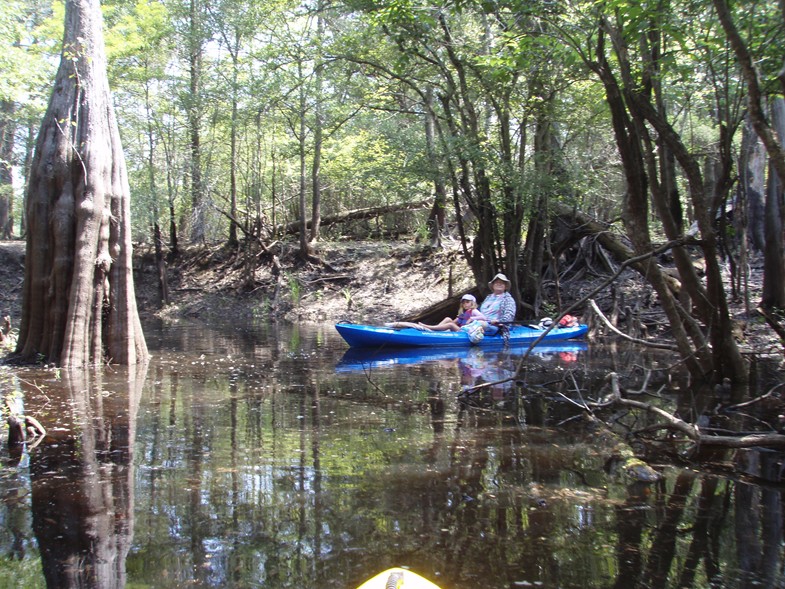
<point>78,302</point>
<point>773,295</point>
<point>752,176</point>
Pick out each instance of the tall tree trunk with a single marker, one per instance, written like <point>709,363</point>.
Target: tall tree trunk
<point>773,295</point>
<point>316,166</point>
<point>752,176</point>
<point>546,169</point>
<point>170,155</point>
<point>163,287</point>
<point>234,50</point>
<point>7,128</point>
<point>436,218</point>
<point>233,241</point>
<point>78,304</point>
<point>305,250</point>
<point>195,46</point>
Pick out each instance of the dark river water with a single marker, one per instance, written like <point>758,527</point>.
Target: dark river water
<point>273,457</point>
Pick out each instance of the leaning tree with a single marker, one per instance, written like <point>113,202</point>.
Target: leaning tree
<point>78,300</point>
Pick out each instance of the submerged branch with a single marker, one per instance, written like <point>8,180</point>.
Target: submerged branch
<point>627,337</point>
<point>671,422</point>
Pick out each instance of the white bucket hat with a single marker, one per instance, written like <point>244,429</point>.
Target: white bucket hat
<point>501,277</point>
<point>468,297</point>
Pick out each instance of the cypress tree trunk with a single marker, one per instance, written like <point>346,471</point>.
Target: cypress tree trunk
<point>78,302</point>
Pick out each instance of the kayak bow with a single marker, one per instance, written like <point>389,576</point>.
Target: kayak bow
<point>398,578</point>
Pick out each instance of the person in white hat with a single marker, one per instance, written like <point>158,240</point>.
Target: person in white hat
<point>499,306</point>
<point>467,313</point>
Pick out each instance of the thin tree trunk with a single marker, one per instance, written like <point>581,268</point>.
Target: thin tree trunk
<point>233,242</point>
<point>305,250</point>
<point>7,128</point>
<point>194,123</point>
<point>234,50</point>
<point>316,166</point>
<point>436,218</point>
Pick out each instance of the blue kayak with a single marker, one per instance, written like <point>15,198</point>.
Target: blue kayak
<point>360,359</point>
<point>371,336</point>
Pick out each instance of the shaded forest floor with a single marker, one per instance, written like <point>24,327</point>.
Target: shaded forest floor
<point>368,281</point>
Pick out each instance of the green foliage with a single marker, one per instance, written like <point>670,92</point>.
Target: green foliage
<point>294,290</point>
<point>25,573</point>
<point>30,34</point>
<point>495,73</point>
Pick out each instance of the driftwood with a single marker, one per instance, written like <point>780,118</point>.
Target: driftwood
<point>20,427</point>
<point>293,227</point>
<point>449,307</point>
<point>369,213</point>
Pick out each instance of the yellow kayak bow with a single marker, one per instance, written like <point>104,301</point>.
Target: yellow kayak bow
<point>398,579</point>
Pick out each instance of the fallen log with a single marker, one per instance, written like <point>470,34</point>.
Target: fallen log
<point>353,215</point>
<point>582,225</point>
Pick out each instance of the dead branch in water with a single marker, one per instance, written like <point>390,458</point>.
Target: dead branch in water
<point>692,432</point>
<point>624,335</point>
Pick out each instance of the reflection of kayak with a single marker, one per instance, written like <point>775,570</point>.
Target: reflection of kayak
<point>370,336</point>
<point>355,359</point>
<point>398,578</point>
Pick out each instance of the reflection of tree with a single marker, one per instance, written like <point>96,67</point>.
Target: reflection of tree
<point>664,542</point>
<point>653,556</point>
<point>701,537</point>
<point>82,482</point>
<point>758,510</point>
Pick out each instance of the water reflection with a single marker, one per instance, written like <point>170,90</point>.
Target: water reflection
<point>256,458</point>
<point>81,475</point>
<point>363,359</point>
